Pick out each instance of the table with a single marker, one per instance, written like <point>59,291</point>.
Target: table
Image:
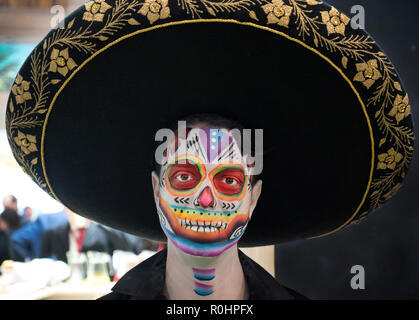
<point>62,291</point>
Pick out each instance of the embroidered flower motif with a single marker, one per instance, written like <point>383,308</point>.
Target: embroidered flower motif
<point>401,108</point>
<point>335,21</point>
<point>96,10</point>
<point>389,160</point>
<point>155,10</point>
<point>61,62</point>
<point>278,13</point>
<point>26,142</point>
<point>20,90</point>
<point>367,73</point>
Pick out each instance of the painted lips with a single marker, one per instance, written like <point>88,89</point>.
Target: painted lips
<point>203,226</point>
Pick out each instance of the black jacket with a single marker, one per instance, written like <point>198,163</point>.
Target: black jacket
<point>55,242</point>
<point>146,282</point>
<point>5,246</point>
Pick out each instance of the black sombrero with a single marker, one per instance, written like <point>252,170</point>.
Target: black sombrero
<point>338,133</point>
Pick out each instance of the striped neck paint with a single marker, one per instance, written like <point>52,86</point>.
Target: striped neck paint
<point>203,277</point>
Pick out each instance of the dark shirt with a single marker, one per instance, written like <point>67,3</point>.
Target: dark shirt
<point>5,247</point>
<point>146,282</point>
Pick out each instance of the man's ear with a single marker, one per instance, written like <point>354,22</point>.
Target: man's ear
<point>256,191</point>
<point>156,187</point>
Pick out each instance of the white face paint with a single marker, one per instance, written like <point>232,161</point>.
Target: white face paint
<point>205,192</point>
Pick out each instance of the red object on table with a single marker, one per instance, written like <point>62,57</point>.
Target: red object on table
<point>79,237</point>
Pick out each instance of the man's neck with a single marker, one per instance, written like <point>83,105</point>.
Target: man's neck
<point>191,277</point>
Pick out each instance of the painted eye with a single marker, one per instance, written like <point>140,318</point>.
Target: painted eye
<point>229,181</point>
<point>184,176</point>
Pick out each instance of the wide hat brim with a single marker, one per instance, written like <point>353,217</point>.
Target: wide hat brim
<point>338,132</point>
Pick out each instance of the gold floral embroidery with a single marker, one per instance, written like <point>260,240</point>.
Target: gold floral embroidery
<point>26,142</point>
<point>312,26</point>
<point>401,108</point>
<point>368,73</point>
<point>96,10</point>
<point>20,90</point>
<point>389,159</point>
<point>155,10</point>
<point>61,62</point>
<point>278,13</point>
<point>335,21</point>
<point>46,59</point>
<point>393,191</point>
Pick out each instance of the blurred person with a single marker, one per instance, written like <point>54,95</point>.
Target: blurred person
<point>81,235</point>
<point>10,220</point>
<point>5,248</point>
<point>9,223</point>
<point>10,201</point>
<point>26,241</point>
<point>29,215</point>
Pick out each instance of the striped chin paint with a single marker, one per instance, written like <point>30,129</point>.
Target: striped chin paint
<point>199,249</point>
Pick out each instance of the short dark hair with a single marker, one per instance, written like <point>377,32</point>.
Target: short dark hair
<point>213,120</point>
<point>12,198</point>
<point>11,217</point>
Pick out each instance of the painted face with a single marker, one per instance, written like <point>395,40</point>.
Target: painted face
<point>205,192</point>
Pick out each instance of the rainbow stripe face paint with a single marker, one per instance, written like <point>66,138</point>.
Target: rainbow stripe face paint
<point>205,192</point>
<point>204,274</point>
<point>203,289</point>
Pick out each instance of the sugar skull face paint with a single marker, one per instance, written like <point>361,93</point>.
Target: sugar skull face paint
<point>204,200</point>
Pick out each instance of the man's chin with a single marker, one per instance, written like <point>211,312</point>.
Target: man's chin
<point>198,248</point>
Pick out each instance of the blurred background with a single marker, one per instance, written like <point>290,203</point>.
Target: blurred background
<point>47,251</point>
<point>50,252</point>
<point>85,258</point>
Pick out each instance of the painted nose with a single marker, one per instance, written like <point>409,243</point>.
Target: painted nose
<point>206,199</point>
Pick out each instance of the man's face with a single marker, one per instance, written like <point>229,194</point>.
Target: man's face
<point>9,203</point>
<point>204,193</point>
<point>28,213</point>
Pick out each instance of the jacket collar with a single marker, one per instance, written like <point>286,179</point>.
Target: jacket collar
<point>146,281</point>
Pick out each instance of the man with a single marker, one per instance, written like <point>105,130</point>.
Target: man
<point>10,201</point>
<point>9,223</point>
<point>10,220</point>
<point>29,215</point>
<point>26,241</point>
<point>203,227</point>
<point>336,123</point>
